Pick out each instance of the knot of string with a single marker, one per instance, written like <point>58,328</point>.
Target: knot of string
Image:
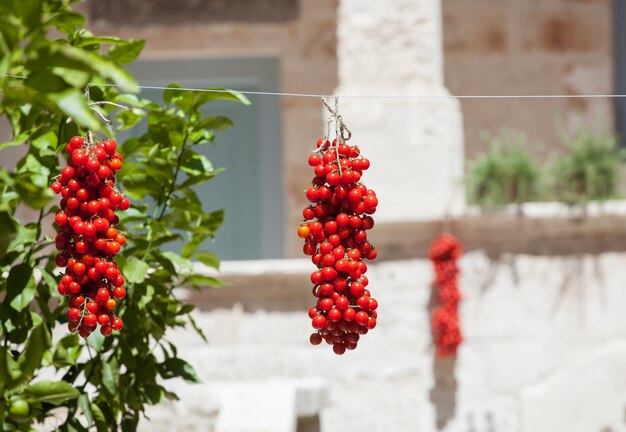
<point>92,106</point>
<point>342,131</point>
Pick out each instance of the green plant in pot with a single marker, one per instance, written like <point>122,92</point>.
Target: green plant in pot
<point>505,173</point>
<point>589,171</point>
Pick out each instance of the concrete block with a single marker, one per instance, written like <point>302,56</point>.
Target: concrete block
<point>267,407</point>
<point>310,397</point>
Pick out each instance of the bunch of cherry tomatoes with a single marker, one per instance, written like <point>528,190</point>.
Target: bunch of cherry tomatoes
<point>444,253</point>
<point>335,236</point>
<point>87,238</point>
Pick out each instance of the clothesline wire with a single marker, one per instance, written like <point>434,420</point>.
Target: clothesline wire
<point>409,97</point>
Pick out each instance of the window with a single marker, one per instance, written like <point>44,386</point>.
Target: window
<point>250,189</point>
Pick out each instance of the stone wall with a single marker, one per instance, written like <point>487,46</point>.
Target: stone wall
<point>497,47</point>
<point>544,350</point>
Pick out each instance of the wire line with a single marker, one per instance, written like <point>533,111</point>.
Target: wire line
<point>409,97</point>
<point>262,93</point>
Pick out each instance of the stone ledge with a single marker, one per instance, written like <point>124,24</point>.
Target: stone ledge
<point>545,229</point>
<point>540,229</point>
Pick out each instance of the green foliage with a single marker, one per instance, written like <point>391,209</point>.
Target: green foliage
<point>106,383</point>
<point>590,170</point>
<point>505,174</point>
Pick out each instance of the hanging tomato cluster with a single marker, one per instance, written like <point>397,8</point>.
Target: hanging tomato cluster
<point>334,233</point>
<point>444,253</point>
<point>87,238</point>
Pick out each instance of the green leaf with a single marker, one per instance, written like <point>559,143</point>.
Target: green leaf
<point>32,165</point>
<point>215,123</point>
<point>85,406</point>
<point>37,344</point>
<point>177,259</point>
<point>141,179</point>
<point>74,425</point>
<point>84,40</point>
<point>129,422</point>
<point>201,136</point>
<point>133,215</point>
<point>103,67</point>
<point>21,286</point>
<point>24,236</point>
<point>128,119</point>
<point>197,328</point>
<point>49,279</point>
<point>8,228</point>
<point>72,102</point>
<point>191,246</point>
<point>74,77</point>
<point>24,298</point>
<point>110,375</point>
<point>195,163</point>
<point>135,270</point>
<point>201,178</point>
<point>171,94</point>
<point>44,82</point>
<point>154,394</point>
<point>165,262</point>
<point>195,100</point>
<point>202,281</point>
<point>96,341</point>
<point>66,351</point>
<point>67,21</point>
<point>46,143</point>
<point>31,182</point>
<point>10,372</point>
<point>17,141</point>
<point>52,392</point>
<point>147,297</point>
<point>127,52</point>
<point>29,12</point>
<point>190,102</point>
<point>209,259</point>
<point>99,418</point>
<point>210,222</point>
<point>176,367</point>
<point>5,55</point>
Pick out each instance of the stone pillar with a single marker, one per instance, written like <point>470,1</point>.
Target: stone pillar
<point>415,145</point>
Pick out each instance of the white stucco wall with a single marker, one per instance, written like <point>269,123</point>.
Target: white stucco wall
<point>544,350</point>
<point>394,48</point>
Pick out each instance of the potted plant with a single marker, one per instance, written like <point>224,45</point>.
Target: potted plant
<point>505,174</point>
<point>589,171</point>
